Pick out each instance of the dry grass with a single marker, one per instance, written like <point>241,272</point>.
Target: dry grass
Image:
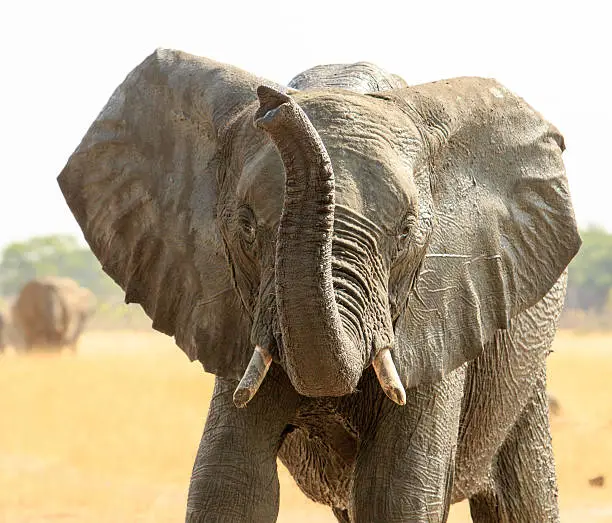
<point>110,435</point>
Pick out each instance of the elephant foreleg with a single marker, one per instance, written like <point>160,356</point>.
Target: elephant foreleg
<point>524,484</point>
<point>72,338</point>
<point>341,515</point>
<point>234,477</point>
<point>405,464</point>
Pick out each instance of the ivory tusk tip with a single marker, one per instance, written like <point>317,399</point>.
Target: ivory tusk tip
<point>242,397</point>
<point>388,377</point>
<point>397,395</point>
<point>253,376</point>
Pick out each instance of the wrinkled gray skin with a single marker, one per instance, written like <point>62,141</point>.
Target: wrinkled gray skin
<point>51,313</point>
<point>325,225</point>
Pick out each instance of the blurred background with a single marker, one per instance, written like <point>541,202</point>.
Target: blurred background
<point>106,429</point>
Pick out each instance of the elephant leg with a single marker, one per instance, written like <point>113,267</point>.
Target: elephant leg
<point>341,514</point>
<point>485,507</point>
<point>73,338</point>
<point>234,477</point>
<point>524,485</point>
<point>405,465</point>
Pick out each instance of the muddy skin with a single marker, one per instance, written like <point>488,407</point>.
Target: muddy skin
<point>343,223</point>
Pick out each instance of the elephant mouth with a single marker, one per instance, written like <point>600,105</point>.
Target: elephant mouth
<point>322,354</point>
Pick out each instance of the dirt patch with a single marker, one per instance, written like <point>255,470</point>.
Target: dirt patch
<point>110,434</point>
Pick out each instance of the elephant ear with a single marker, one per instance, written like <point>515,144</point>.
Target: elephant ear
<point>143,187</point>
<point>503,229</point>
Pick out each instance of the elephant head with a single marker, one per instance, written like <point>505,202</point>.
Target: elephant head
<point>360,77</point>
<point>326,230</point>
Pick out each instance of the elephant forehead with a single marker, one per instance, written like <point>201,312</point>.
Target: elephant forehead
<point>372,149</point>
<point>379,186</point>
<point>374,184</point>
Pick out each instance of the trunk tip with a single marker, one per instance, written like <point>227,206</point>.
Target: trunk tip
<point>270,101</point>
<point>270,96</point>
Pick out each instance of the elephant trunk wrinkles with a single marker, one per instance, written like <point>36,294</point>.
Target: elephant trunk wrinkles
<point>320,355</point>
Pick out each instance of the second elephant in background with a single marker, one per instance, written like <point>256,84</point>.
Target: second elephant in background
<point>51,313</point>
<point>2,334</point>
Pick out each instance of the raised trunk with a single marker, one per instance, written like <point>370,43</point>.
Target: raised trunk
<point>319,354</point>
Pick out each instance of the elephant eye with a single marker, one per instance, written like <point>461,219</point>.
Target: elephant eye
<point>406,230</point>
<point>247,224</point>
<point>404,233</point>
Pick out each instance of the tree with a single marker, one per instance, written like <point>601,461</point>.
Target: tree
<point>58,255</point>
<point>590,273</point>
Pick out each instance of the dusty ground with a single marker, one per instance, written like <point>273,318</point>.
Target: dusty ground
<point>110,435</point>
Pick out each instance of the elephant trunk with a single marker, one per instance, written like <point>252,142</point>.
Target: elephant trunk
<point>320,355</point>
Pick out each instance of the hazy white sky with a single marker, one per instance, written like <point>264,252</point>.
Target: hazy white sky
<point>62,60</point>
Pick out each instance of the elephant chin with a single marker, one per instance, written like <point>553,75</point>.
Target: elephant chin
<point>321,357</point>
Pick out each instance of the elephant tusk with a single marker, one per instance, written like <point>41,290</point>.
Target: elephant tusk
<point>253,376</point>
<point>388,377</point>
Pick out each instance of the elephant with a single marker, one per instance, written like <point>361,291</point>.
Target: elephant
<point>554,406</point>
<point>2,333</point>
<point>51,312</point>
<point>372,271</point>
